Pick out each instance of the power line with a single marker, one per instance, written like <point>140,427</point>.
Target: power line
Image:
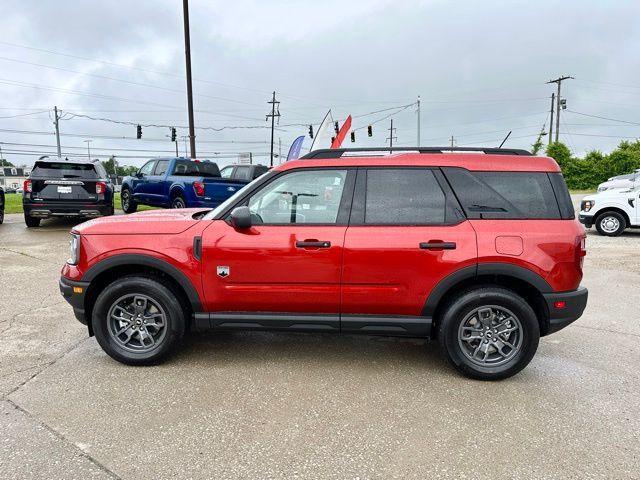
<point>603,118</point>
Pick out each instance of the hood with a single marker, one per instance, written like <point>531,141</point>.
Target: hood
<point>611,193</point>
<point>150,222</point>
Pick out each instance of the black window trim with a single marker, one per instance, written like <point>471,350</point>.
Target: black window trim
<point>357,217</point>
<point>154,160</point>
<point>343,210</point>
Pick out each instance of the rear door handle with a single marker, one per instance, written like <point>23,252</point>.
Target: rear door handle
<point>437,245</point>
<point>312,244</point>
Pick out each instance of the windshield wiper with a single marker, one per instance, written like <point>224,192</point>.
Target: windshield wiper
<point>485,208</point>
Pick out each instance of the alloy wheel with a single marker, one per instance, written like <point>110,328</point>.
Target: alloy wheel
<point>610,224</point>
<point>490,335</point>
<point>137,322</point>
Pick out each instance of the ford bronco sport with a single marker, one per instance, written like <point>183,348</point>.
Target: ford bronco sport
<point>479,249</point>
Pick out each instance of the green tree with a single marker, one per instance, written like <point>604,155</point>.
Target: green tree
<point>559,152</point>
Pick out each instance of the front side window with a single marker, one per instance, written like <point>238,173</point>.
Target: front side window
<point>147,168</point>
<point>403,197</point>
<point>226,172</point>
<point>303,197</point>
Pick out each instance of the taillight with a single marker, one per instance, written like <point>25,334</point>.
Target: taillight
<point>581,250</point>
<point>101,187</point>
<point>27,186</point>
<point>198,187</point>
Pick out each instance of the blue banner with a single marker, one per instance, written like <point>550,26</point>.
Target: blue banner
<point>296,146</point>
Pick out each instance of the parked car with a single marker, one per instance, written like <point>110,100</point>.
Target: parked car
<point>621,181</point>
<point>9,190</point>
<point>1,205</point>
<point>479,251</point>
<point>183,183</point>
<point>611,211</point>
<point>65,188</point>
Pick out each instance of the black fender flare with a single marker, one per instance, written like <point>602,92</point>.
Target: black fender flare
<point>147,261</point>
<point>481,269</point>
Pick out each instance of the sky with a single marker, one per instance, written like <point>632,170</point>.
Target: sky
<point>480,69</point>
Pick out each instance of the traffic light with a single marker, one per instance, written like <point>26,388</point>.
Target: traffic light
<point>337,127</point>
<point>311,131</point>
<point>353,136</point>
<point>139,132</point>
<point>173,134</point>
<point>370,131</point>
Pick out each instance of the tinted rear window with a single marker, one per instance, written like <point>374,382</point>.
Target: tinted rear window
<point>64,170</point>
<point>515,195</point>
<point>189,168</point>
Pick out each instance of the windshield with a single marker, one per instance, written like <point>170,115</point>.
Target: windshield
<point>233,198</point>
<point>64,170</point>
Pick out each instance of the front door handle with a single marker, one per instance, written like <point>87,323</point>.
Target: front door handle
<point>312,244</point>
<point>437,245</point>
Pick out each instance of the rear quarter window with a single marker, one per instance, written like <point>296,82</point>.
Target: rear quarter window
<point>507,195</point>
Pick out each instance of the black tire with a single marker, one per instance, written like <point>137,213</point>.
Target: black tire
<point>31,221</point>
<point>178,202</point>
<point>158,294</point>
<point>456,315</point>
<point>126,201</point>
<point>1,207</point>
<point>610,224</point>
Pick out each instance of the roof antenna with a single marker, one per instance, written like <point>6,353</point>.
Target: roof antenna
<point>505,139</point>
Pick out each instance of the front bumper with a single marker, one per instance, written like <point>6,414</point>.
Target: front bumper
<point>573,302</point>
<point>74,293</point>
<point>66,209</point>
<point>586,220</point>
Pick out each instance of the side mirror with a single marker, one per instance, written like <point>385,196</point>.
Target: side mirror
<point>139,175</point>
<point>241,218</point>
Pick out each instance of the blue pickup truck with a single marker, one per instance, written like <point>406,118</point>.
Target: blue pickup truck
<point>180,182</point>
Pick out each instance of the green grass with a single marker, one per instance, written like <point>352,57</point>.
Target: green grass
<point>13,203</point>
<point>582,192</point>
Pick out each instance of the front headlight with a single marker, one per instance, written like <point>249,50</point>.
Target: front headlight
<point>587,205</point>
<point>602,189</point>
<point>74,249</point>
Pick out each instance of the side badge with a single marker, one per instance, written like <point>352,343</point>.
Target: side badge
<point>223,271</point>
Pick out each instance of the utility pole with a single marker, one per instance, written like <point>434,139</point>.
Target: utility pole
<point>452,140</point>
<point>553,99</point>
<point>275,112</point>
<point>55,122</point>
<point>187,54</point>
<point>184,137</point>
<point>418,121</point>
<point>391,137</point>
<point>279,151</point>
<point>88,142</point>
<point>559,82</point>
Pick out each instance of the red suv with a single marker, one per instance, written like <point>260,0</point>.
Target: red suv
<point>479,249</point>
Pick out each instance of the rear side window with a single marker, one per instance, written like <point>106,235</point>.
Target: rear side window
<point>63,170</point>
<point>508,195</point>
<point>242,173</point>
<point>403,197</point>
<point>161,167</point>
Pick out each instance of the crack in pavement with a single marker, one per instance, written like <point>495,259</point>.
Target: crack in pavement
<point>607,330</point>
<point>17,252</point>
<point>61,436</point>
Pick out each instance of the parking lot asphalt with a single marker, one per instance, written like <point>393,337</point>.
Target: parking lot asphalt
<point>262,405</point>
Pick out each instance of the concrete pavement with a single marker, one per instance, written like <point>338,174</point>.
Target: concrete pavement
<point>264,405</point>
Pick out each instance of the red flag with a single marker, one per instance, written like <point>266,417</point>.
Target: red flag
<point>346,126</point>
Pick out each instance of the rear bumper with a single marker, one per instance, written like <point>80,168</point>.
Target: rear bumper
<point>74,293</point>
<point>66,209</point>
<point>586,220</point>
<point>573,306</point>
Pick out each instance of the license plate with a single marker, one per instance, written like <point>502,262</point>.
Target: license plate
<point>64,189</point>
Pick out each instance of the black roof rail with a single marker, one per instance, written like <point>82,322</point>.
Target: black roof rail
<point>339,152</point>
